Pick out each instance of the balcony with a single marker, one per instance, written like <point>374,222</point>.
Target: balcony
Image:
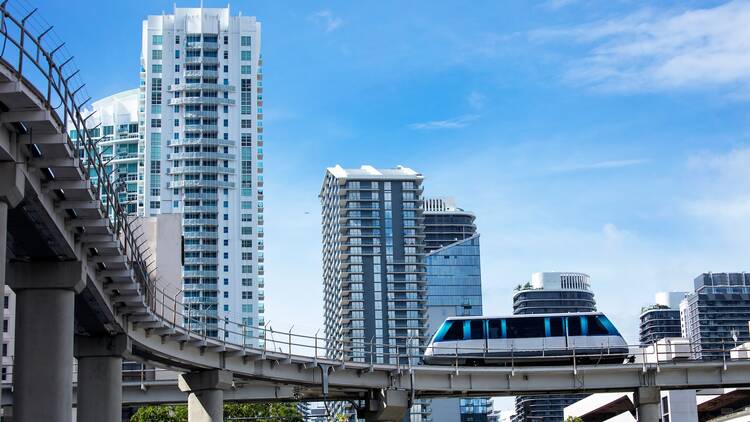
<point>201,169</point>
<point>201,235</point>
<point>201,100</point>
<point>201,113</point>
<point>201,87</point>
<point>204,155</point>
<point>192,300</point>
<point>206,60</point>
<point>199,184</point>
<point>200,73</point>
<point>201,128</point>
<point>201,141</point>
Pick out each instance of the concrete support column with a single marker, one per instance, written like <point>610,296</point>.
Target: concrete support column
<point>99,395</point>
<point>647,404</point>
<point>45,298</point>
<point>205,394</point>
<point>386,406</point>
<point>11,193</point>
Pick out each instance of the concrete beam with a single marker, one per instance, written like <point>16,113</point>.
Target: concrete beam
<point>386,406</point>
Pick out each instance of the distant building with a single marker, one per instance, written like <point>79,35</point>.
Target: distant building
<point>550,292</point>
<point>715,317</point>
<point>454,288</point>
<point>662,319</point>
<point>445,223</point>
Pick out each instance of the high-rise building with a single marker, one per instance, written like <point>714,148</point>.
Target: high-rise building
<point>454,288</point>
<point>715,316</point>
<point>374,279</point>
<point>201,111</point>
<point>373,262</point>
<point>662,319</point>
<point>445,223</point>
<point>550,292</point>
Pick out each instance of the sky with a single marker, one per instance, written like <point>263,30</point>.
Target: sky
<point>610,138</point>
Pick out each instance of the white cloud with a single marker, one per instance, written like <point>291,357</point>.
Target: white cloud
<point>326,19</point>
<point>652,50</point>
<point>599,165</point>
<point>454,123</point>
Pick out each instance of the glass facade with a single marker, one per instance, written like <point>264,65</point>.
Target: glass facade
<point>658,322</point>
<point>454,288</point>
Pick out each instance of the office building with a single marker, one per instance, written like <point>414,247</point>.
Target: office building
<point>454,288</point>
<point>201,111</point>
<point>715,316</point>
<point>662,319</point>
<point>550,292</point>
<point>445,223</point>
<point>374,279</point>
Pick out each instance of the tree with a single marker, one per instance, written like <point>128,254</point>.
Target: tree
<point>261,412</point>
<point>160,414</point>
<point>573,419</point>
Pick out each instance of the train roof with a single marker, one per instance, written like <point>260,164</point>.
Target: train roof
<point>461,318</point>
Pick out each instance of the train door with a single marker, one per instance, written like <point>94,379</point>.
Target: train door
<point>475,339</point>
<point>555,340</point>
<point>576,334</point>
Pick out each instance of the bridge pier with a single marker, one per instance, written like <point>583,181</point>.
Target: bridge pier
<point>385,406</point>
<point>99,395</point>
<point>45,297</point>
<point>647,404</point>
<point>205,394</point>
<point>11,194</point>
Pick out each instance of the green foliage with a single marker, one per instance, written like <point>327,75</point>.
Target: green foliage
<point>261,412</point>
<point>573,419</point>
<point>160,414</point>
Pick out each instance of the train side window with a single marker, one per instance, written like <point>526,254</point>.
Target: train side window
<point>455,332</point>
<point>525,327</point>
<point>608,324</point>
<point>494,325</point>
<point>556,327</point>
<point>476,329</point>
<point>596,328</point>
<point>574,326</point>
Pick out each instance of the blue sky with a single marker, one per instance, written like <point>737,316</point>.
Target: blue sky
<point>604,137</point>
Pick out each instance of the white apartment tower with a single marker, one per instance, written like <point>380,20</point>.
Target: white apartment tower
<point>201,109</point>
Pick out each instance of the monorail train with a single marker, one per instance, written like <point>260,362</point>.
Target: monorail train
<point>589,337</point>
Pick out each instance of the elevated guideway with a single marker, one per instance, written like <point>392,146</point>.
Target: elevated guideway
<point>84,289</point>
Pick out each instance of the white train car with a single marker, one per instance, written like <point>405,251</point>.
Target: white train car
<point>589,337</point>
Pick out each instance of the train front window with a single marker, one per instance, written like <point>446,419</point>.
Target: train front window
<point>606,325</point>
<point>455,331</point>
<point>476,329</point>
<point>574,326</point>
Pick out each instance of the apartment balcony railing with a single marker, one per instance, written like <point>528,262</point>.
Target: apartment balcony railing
<point>203,155</point>
<point>201,87</point>
<point>199,183</point>
<point>201,128</point>
<point>200,235</point>
<point>201,100</point>
<point>200,222</point>
<point>200,73</point>
<point>201,169</point>
<point>200,141</point>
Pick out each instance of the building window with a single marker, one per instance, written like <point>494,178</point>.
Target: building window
<point>226,40</point>
<point>156,54</point>
<point>156,39</point>
<point>245,41</point>
<point>246,55</point>
<point>247,295</point>
<point>246,69</point>
<point>177,54</point>
<point>156,123</point>
<point>156,68</point>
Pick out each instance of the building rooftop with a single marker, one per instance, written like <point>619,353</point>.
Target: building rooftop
<point>370,172</point>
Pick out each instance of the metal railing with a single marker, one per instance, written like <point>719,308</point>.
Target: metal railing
<point>24,51</point>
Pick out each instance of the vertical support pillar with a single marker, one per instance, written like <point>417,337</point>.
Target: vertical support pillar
<point>11,193</point>
<point>205,394</point>
<point>647,404</point>
<point>45,305</point>
<point>99,396</point>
